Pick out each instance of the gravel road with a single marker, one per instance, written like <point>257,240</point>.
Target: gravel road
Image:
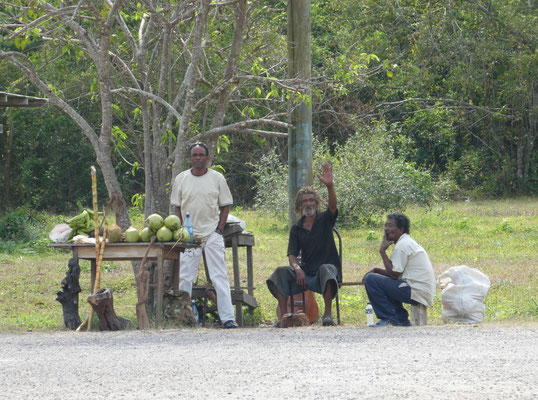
<point>433,362</point>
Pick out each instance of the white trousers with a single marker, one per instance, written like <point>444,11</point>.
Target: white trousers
<point>188,269</point>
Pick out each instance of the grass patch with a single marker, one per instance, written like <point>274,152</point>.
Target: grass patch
<point>499,237</point>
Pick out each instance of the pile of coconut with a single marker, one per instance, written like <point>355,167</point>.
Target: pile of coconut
<point>165,229</point>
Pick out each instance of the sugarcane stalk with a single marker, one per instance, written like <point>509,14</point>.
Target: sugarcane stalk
<point>95,209</point>
<point>99,247</point>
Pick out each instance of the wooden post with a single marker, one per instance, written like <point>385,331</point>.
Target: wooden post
<point>250,277</point>
<point>299,67</point>
<point>237,281</point>
<point>419,315</point>
<point>160,291</point>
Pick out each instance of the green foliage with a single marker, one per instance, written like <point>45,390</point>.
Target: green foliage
<point>15,226</point>
<point>458,79</point>
<point>25,231</point>
<point>271,184</point>
<point>369,179</point>
<point>455,81</point>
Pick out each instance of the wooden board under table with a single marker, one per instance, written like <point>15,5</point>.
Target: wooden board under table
<point>159,251</point>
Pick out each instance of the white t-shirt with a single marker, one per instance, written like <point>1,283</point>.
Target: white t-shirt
<point>410,259</point>
<point>202,197</point>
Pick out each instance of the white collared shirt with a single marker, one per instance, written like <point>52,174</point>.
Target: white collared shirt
<point>412,261</point>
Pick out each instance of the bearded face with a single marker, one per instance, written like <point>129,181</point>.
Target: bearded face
<point>308,203</point>
<point>309,211</point>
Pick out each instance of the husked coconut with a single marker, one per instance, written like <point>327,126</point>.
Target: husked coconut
<point>114,233</point>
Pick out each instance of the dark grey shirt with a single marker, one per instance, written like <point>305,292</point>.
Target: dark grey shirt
<point>317,246</point>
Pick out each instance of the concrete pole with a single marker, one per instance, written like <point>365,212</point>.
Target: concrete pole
<point>300,136</point>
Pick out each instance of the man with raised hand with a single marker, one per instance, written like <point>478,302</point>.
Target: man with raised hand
<point>204,194</point>
<point>312,239</point>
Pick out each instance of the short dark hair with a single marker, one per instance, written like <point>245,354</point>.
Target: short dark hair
<point>201,144</point>
<point>401,221</point>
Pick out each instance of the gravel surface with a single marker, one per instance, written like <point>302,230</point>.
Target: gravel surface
<point>433,362</point>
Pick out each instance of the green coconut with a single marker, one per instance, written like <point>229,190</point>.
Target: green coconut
<point>172,222</point>
<point>182,235</point>
<point>146,234</point>
<point>132,235</point>
<point>114,233</point>
<point>164,234</point>
<point>155,222</point>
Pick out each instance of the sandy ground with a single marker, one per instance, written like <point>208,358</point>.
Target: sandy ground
<point>433,362</point>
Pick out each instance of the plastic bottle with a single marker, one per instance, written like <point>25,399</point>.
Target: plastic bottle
<point>195,310</point>
<point>188,226</point>
<point>369,314</point>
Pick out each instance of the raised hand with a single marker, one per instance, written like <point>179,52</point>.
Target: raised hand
<point>326,177</point>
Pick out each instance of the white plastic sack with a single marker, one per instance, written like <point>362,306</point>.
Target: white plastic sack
<point>464,291</point>
<point>232,219</point>
<point>60,233</point>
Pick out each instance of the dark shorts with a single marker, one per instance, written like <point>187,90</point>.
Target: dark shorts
<point>284,281</point>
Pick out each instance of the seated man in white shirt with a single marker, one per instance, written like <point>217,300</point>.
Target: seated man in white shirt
<point>408,275</point>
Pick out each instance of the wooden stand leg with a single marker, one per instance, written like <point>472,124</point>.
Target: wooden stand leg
<point>237,281</point>
<point>250,277</point>
<point>160,292</point>
<point>175,275</point>
<point>93,274</point>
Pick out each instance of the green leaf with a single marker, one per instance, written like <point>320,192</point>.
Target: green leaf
<point>119,136</point>
<point>168,135</point>
<point>118,109</point>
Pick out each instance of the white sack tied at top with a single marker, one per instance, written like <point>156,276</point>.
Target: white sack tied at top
<point>463,295</point>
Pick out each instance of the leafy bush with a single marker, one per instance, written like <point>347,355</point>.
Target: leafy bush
<point>14,226</point>
<point>26,231</point>
<point>369,179</point>
<point>271,184</point>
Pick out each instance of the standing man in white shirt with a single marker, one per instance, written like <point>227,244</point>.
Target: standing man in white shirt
<point>204,194</point>
<point>408,276</point>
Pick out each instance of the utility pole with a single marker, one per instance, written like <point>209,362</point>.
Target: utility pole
<point>299,67</point>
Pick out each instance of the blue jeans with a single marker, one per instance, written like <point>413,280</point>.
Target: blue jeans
<point>386,297</point>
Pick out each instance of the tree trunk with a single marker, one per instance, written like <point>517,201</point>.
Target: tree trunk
<point>7,161</point>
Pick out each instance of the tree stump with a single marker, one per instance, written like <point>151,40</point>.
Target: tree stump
<point>103,305</point>
<point>178,309</point>
<point>68,297</point>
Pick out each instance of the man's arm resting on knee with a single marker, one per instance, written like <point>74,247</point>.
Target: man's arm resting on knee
<point>299,273</point>
<point>388,271</point>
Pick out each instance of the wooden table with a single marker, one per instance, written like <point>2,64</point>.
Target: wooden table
<point>133,252</point>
